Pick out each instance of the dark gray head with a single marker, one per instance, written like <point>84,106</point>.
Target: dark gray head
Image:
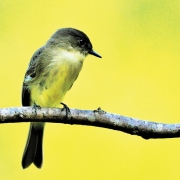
<point>73,38</point>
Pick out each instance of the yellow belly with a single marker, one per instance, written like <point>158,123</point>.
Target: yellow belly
<point>51,89</point>
<point>50,96</point>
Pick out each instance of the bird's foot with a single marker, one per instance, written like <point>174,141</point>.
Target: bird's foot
<point>35,107</point>
<point>66,108</point>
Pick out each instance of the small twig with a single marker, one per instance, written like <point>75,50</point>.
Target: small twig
<point>99,118</point>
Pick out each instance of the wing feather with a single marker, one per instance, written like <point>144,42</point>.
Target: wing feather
<point>30,74</point>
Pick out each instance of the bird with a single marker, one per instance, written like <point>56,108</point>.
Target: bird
<point>52,71</point>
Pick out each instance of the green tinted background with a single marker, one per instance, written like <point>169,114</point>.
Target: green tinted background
<point>138,76</point>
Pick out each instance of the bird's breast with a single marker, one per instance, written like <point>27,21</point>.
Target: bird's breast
<point>57,79</point>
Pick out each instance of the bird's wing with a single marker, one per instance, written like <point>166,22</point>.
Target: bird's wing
<point>30,73</point>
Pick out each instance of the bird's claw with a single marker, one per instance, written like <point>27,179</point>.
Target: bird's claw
<point>35,107</point>
<point>66,108</point>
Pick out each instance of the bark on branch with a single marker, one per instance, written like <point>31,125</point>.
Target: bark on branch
<point>99,118</point>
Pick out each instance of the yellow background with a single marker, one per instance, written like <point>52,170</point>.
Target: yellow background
<point>138,76</point>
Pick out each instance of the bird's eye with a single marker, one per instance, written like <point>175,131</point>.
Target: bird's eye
<point>81,42</point>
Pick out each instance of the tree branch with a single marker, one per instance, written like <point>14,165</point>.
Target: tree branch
<point>99,118</point>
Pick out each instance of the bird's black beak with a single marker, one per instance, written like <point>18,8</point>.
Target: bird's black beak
<point>94,53</point>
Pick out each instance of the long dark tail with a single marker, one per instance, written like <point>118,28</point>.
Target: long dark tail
<point>33,150</point>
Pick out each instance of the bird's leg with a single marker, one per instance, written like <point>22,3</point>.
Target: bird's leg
<point>65,107</point>
<point>35,107</point>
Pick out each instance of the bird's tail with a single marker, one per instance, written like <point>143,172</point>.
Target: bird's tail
<point>33,149</point>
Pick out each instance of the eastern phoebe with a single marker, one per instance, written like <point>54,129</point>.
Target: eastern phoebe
<point>51,73</point>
